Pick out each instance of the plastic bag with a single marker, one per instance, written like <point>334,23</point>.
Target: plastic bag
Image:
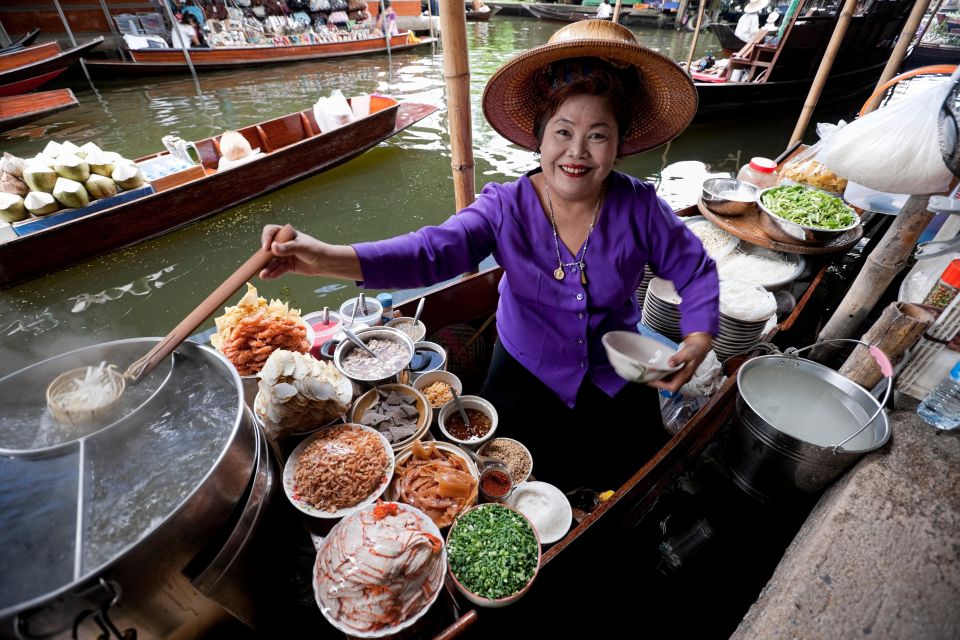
<point>806,168</point>
<point>895,148</point>
<point>707,379</point>
<point>333,112</point>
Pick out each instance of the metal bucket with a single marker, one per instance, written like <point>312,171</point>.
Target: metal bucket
<point>784,443</point>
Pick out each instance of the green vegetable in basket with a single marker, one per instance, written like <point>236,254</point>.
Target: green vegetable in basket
<point>809,207</point>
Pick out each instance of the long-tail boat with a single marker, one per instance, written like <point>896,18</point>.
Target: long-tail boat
<point>482,16</point>
<point>20,43</point>
<point>26,69</point>
<point>17,110</point>
<point>293,148</point>
<point>160,61</point>
<point>560,15</point>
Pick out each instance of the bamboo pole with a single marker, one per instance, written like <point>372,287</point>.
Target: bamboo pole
<point>616,11</point>
<point>681,12</point>
<point>926,25</point>
<point>879,270</point>
<point>183,46</point>
<point>456,73</point>
<point>897,329</point>
<point>696,32</point>
<point>386,32</point>
<point>113,28</point>
<point>826,64</point>
<point>900,51</point>
<point>66,23</point>
<point>430,18</point>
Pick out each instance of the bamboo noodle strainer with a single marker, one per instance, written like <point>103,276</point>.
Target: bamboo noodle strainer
<point>67,412</point>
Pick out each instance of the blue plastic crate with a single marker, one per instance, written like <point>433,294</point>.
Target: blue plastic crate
<point>34,225</point>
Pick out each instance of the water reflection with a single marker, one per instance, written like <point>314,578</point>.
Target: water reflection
<point>402,184</point>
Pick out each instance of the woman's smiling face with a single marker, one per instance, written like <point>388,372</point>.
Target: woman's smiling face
<point>579,147</point>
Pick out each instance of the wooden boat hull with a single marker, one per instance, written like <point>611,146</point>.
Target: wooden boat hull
<point>160,61</point>
<point>124,225</point>
<point>24,41</point>
<point>725,34</point>
<point>30,75</point>
<point>17,110</point>
<point>482,16</point>
<point>559,15</point>
<point>926,55</point>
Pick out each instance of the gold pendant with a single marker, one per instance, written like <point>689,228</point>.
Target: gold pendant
<point>583,277</point>
<point>558,273</point>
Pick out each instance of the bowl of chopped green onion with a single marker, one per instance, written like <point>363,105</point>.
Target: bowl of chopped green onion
<point>493,554</point>
<point>796,213</point>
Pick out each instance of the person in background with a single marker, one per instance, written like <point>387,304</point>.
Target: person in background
<point>573,237</point>
<point>386,20</point>
<point>479,6</point>
<point>604,11</point>
<point>197,39</point>
<point>749,24</point>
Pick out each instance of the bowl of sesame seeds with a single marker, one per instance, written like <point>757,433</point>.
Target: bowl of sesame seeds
<point>513,454</point>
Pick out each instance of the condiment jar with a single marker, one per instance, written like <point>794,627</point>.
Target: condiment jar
<point>386,301</point>
<point>946,288</point>
<point>495,484</point>
<point>760,172</point>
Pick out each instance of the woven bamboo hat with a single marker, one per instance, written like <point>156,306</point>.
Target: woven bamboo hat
<point>666,100</point>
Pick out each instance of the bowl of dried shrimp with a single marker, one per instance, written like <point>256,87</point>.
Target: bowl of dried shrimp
<point>338,470</point>
<point>436,477</point>
<point>366,593</point>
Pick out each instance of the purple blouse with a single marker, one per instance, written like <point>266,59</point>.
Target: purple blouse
<point>553,327</point>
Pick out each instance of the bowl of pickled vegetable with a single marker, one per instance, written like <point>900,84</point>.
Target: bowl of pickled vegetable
<point>493,554</point>
<point>796,213</point>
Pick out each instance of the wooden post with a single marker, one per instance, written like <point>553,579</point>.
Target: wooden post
<point>826,64</point>
<point>681,12</point>
<point>456,72</point>
<point>696,32</point>
<point>926,25</point>
<point>879,269</point>
<point>66,23</point>
<point>616,12</point>
<point>900,51</point>
<point>898,328</point>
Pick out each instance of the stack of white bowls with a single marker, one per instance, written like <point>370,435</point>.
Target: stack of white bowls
<point>745,311</point>
<point>644,283</point>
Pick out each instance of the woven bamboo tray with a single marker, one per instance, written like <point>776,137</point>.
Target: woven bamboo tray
<point>748,227</point>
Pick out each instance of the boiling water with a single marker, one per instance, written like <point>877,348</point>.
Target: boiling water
<point>805,407</point>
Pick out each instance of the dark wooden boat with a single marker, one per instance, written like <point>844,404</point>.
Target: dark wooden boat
<point>924,55</point>
<point>26,69</point>
<point>547,12</point>
<point>293,149</point>
<point>482,16</point>
<point>17,110</point>
<point>781,74</point>
<point>725,34</point>
<point>646,18</point>
<point>24,41</point>
<point>160,61</point>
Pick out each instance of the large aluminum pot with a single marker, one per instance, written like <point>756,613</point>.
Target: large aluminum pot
<point>113,519</point>
<point>791,413</point>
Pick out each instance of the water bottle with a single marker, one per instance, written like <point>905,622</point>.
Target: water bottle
<point>941,408</point>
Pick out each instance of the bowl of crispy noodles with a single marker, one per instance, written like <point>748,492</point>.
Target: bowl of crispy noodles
<point>338,470</point>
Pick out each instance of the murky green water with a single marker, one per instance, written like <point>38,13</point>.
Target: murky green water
<point>399,186</point>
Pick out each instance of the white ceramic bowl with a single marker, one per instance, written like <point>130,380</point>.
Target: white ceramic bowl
<point>483,451</point>
<point>393,324</point>
<point>499,602</point>
<point>468,402</point>
<point>428,378</point>
<point>559,501</point>
<point>365,401</point>
<point>638,358</point>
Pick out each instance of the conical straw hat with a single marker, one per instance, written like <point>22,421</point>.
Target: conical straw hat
<point>665,104</point>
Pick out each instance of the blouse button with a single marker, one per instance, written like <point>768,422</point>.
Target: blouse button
<point>583,365</point>
<point>579,296</point>
<point>580,316</point>
<point>579,340</point>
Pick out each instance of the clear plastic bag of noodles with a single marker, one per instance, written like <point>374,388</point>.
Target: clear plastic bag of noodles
<point>805,168</point>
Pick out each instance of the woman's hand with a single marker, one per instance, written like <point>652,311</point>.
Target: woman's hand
<point>695,349</point>
<point>308,256</point>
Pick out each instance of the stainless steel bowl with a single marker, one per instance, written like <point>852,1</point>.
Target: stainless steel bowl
<point>728,197</point>
<point>366,335</point>
<point>786,231</point>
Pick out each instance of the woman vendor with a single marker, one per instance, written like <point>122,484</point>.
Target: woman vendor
<point>573,238</point>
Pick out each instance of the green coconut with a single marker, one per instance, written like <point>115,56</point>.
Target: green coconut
<point>72,167</point>
<point>127,175</point>
<point>39,177</point>
<point>100,186</point>
<point>52,150</point>
<point>11,207</point>
<point>100,164</point>
<point>71,193</point>
<point>89,149</point>
<point>40,203</point>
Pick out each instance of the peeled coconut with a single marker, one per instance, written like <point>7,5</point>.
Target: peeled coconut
<point>52,150</point>
<point>40,203</point>
<point>100,164</point>
<point>100,187</point>
<point>234,146</point>
<point>9,183</point>
<point>13,165</point>
<point>69,147</point>
<point>72,167</point>
<point>71,193</point>
<point>127,175</point>
<point>89,149</point>
<point>11,207</point>
<point>39,177</point>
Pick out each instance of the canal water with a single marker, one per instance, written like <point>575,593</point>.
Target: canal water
<point>397,187</point>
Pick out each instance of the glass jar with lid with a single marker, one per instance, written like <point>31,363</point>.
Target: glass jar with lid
<point>760,172</point>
